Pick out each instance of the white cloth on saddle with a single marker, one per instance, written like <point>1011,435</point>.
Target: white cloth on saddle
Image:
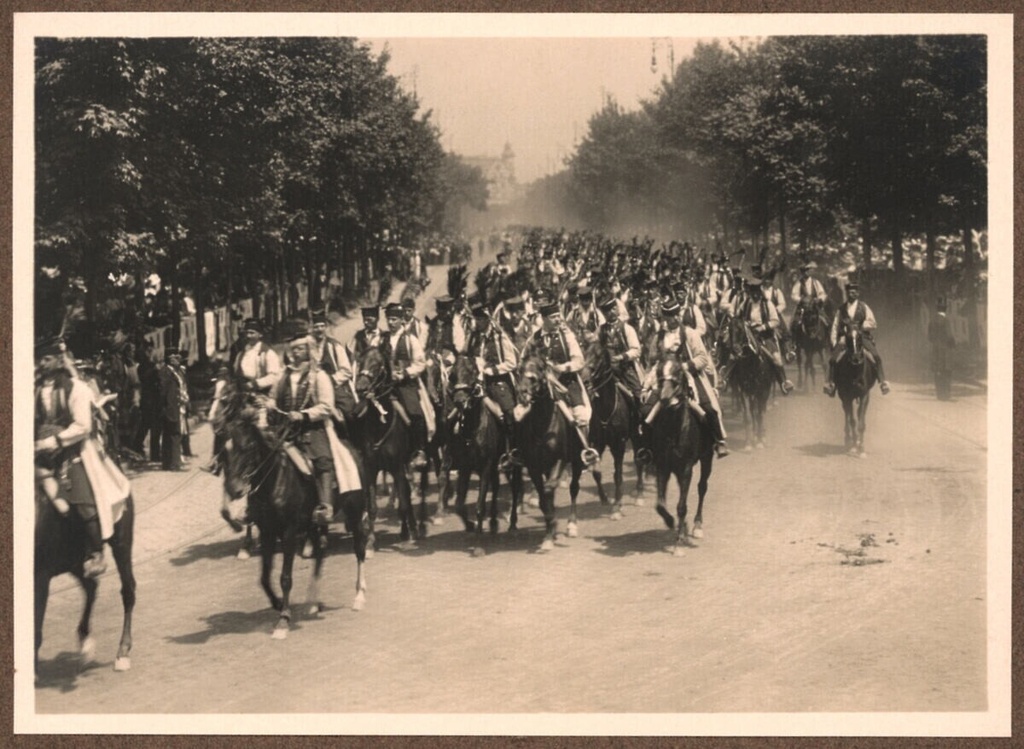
<point>346,471</point>
<point>110,487</point>
<point>428,409</point>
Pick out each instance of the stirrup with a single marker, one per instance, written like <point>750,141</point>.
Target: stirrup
<point>94,565</point>
<point>589,456</point>
<point>644,456</point>
<point>323,514</point>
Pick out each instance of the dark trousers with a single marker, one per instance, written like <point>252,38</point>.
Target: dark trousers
<point>80,496</point>
<point>171,447</point>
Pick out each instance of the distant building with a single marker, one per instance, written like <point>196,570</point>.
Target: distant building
<point>500,173</point>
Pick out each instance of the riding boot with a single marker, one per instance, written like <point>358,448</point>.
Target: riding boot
<point>324,512</point>
<point>419,443</point>
<point>882,382</point>
<point>94,564</point>
<point>784,384</point>
<point>715,424</point>
<point>512,457</point>
<point>588,455</point>
<point>830,384</point>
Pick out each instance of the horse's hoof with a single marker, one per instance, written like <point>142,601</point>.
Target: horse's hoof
<point>307,550</point>
<point>759,446</point>
<point>370,551</point>
<point>572,531</point>
<point>87,650</point>
<point>437,520</point>
<point>243,554</point>
<point>698,533</point>
<point>547,545</point>
<point>279,633</point>
<point>640,502</point>
<point>617,515</point>
<point>122,663</point>
<point>677,551</point>
<point>532,501</point>
<point>563,483</point>
<point>360,601</point>
<point>747,449</point>
<point>862,454</point>
<point>479,551</point>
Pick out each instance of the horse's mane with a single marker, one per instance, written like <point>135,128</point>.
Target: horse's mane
<point>464,371</point>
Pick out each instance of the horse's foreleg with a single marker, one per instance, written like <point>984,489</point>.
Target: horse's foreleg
<point>461,490</point>
<point>516,485</point>
<point>662,488</point>
<point>572,529</point>
<point>684,476</point>
<point>706,466</point>
<point>121,546</point>
<point>598,478</point>
<point>403,490</point>
<point>313,600</point>
<point>288,548</point>
<point>266,567</point>
<point>421,519</point>
<point>618,455</point>
<point>86,644</point>
<point>546,496</point>
<point>371,511</point>
<point>42,593</point>
<point>862,414</point>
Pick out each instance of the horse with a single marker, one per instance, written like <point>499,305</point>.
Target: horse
<point>855,374</point>
<point>439,457</point>
<point>477,442</point>
<point>751,378</point>
<point>548,442</point>
<point>281,499</point>
<point>811,337</point>
<point>60,548</point>
<point>679,441</point>
<point>385,444</point>
<point>611,423</point>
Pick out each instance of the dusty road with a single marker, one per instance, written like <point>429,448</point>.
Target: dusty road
<point>823,583</point>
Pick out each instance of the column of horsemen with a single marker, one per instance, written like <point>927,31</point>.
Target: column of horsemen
<point>567,295</point>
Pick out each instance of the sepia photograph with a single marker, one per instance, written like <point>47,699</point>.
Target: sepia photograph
<point>512,374</point>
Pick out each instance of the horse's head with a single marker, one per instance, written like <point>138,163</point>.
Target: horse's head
<point>374,374</point>
<point>671,379</point>
<point>532,379</point>
<point>243,452</point>
<point>854,342</point>
<point>598,361</point>
<point>464,381</point>
<point>740,337</point>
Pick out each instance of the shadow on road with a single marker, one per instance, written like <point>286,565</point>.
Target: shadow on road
<point>821,450</point>
<point>218,550</point>
<point>651,541</point>
<point>462,542</point>
<point>236,623</point>
<point>62,672</point>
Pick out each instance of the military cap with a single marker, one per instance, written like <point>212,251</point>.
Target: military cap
<point>550,308</point>
<point>371,312</point>
<point>670,307</point>
<point>394,310</point>
<point>607,303</point>
<point>253,324</point>
<point>480,310</point>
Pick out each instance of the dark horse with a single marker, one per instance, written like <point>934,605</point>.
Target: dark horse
<point>477,443</point>
<point>752,377</point>
<point>611,423</point>
<point>810,334</point>
<point>548,441</point>
<point>281,498</point>
<point>679,441</point>
<point>856,373</point>
<point>384,442</point>
<point>60,548</point>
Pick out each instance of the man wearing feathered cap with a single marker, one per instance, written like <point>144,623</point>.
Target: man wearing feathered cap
<point>72,468</point>
<point>557,346</point>
<point>763,319</point>
<point>370,336</point>
<point>331,357</point>
<point>496,359</point>
<point>584,318</point>
<point>619,338</point>
<point>408,362</point>
<point>304,396</point>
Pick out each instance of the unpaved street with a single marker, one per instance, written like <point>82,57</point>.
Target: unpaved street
<point>823,583</point>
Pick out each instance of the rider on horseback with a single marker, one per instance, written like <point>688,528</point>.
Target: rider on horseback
<point>71,466</point>
<point>496,360</point>
<point>683,343</point>
<point>623,344</point>
<point>763,319</point>
<point>304,395</point>
<point>774,295</point>
<point>555,344</point>
<point>407,364</point>
<point>853,312</point>
<point>332,358</point>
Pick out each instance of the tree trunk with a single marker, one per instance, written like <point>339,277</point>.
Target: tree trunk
<point>783,240</point>
<point>865,238</point>
<point>971,301</point>
<point>896,240</point>
<point>200,301</point>
<point>929,255</point>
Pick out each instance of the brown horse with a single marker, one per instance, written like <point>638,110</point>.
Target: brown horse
<point>611,423</point>
<point>548,443</point>
<point>60,548</point>
<point>856,374</point>
<point>679,441</point>
<point>810,335</point>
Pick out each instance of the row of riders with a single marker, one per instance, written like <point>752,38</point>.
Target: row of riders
<point>586,345</point>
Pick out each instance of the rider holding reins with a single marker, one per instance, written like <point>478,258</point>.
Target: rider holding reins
<point>857,313</point>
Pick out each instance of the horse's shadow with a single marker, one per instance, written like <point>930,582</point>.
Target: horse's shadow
<point>822,450</point>
<point>62,672</point>
<point>237,623</point>
<point>650,541</point>
<point>218,550</point>
<point>460,541</point>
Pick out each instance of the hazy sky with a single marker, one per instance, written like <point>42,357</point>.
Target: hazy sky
<point>535,93</point>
